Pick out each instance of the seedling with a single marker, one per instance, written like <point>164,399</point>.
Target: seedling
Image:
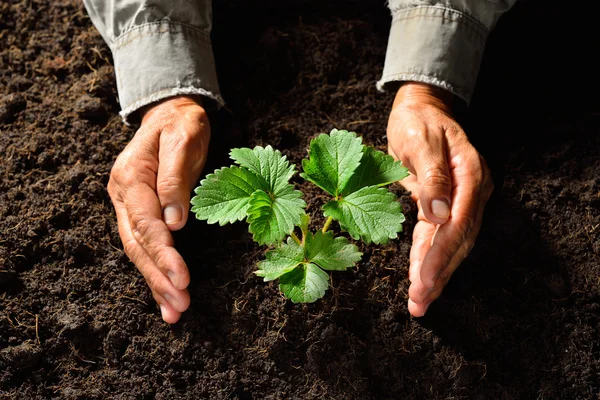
<point>258,190</point>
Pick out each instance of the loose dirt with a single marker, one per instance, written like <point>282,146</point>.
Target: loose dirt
<point>519,319</point>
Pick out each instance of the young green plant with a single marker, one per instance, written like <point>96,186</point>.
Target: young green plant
<point>258,190</point>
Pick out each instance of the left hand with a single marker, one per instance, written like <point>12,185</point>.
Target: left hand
<point>449,181</point>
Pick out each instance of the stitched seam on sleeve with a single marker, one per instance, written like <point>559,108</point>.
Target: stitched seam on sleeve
<point>129,36</point>
<point>431,76</point>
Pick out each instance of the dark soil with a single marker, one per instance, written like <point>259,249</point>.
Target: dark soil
<point>519,319</point>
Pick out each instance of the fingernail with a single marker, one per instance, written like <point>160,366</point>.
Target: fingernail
<point>172,214</point>
<point>170,299</point>
<point>173,277</point>
<point>163,311</point>
<point>440,208</point>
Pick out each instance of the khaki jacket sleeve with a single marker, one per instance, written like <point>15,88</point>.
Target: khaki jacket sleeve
<point>439,42</point>
<point>160,49</point>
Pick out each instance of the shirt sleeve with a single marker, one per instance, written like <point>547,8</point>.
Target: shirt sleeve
<point>160,49</point>
<point>439,42</point>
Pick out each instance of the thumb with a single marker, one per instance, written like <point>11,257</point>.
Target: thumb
<point>181,159</point>
<point>435,182</point>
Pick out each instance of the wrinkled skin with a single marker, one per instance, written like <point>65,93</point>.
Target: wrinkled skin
<point>150,186</point>
<point>449,181</point>
<point>151,182</point>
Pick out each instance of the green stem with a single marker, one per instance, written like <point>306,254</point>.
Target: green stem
<point>327,224</point>
<point>293,236</point>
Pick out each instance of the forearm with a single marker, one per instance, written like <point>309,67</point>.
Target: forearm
<point>159,51</point>
<point>439,43</point>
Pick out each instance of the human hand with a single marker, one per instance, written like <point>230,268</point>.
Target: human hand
<point>449,181</point>
<point>150,185</point>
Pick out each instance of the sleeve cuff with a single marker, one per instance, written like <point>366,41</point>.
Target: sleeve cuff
<point>435,45</point>
<point>163,59</point>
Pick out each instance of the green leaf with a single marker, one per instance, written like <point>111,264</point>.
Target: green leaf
<point>224,196</point>
<point>266,163</point>
<point>335,254</point>
<point>299,268</point>
<point>304,284</point>
<point>370,213</point>
<point>376,169</point>
<point>281,260</point>
<point>271,217</point>
<point>333,159</point>
<point>304,221</point>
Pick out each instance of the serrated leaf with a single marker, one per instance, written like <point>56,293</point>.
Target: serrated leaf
<point>272,217</point>
<point>376,169</point>
<point>332,160</point>
<point>371,213</point>
<point>335,254</point>
<point>267,163</point>
<point>281,260</point>
<point>304,284</point>
<point>224,195</point>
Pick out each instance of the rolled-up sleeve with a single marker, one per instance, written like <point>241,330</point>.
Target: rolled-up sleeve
<point>439,42</point>
<point>160,49</point>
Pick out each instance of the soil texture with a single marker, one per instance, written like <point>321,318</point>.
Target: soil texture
<point>519,319</point>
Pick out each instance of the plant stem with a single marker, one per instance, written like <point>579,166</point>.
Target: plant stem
<point>293,236</point>
<point>327,224</point>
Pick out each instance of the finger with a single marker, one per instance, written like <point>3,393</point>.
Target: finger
<point>417,310</point>
<point>181,157</point>
<point>422,296</point>
<point>151,233</point>
<point>452,243</point>
<point>168,313</point>
<point>422,236</point>
<point>457,259</point>
<point>171,300</point>
<point>455,239</point>
<point>430,162</point>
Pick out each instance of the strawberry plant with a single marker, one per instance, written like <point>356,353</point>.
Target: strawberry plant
<point>258,190</point>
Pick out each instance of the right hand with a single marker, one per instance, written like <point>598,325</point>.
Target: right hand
<point>150,185</point>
